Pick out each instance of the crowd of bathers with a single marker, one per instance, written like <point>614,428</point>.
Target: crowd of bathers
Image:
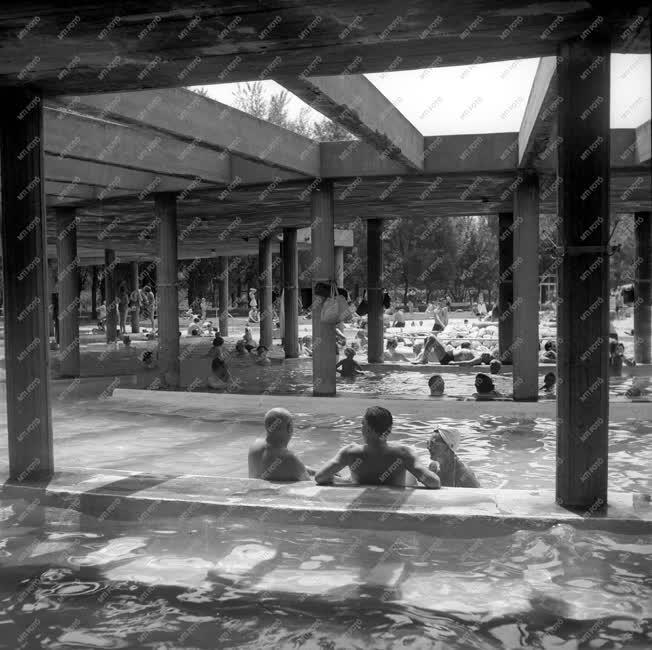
<point>373,461</point>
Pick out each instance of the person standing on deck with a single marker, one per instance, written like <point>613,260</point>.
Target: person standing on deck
<point>123,308</point>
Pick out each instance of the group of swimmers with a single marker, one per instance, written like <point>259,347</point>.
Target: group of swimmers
<point>373,462</point>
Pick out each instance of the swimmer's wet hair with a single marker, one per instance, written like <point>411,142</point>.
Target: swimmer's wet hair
<point>217,341</point>
<point>379,419</point>
<point>484,383</point>
<point>350,352</point>
<point>262,348</point>
<point>436,380</point>
<point>495,366</point>
<point>485,357</point>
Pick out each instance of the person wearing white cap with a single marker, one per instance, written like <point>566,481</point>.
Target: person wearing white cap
<point>446,463</point>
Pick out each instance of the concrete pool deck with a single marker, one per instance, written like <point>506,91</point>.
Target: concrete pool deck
<point>450,511</point>
<point>216,405</point>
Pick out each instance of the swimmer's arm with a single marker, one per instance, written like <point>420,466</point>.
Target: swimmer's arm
<point>325,475</point>
<point>421,473</point>
<point>297,470</point>
<point>339,363</point>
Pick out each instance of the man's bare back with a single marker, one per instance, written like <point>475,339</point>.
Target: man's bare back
<point>275,463</point>
<point>377,462</point>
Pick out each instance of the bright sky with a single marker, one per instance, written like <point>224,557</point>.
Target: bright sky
<point>484,98</point>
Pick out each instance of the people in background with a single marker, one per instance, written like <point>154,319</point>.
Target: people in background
<point>270,459</point>
<point>440,314</point>
<point>495,367</point>
<point>194,329</point>
<point>240,350</point>
<point>347,367</point>
<point>148,304</point>
<point>549,354</point>
<point>203,305</point>
<point>436,385</point>
<point>306,345</point>
<point>376,461</point>
<point>399,318</point>
<point>390,353</point>
<point>485,387</point>
<point>101,316</point>
<point>549,382</point>
<point>446,463</point>
<point>262,358</point>
<point>433,351</point>
<point>123,308</point>
<point>617,358</point>
<point>220,375</point>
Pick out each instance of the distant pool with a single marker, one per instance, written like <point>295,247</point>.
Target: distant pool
<point>71,581</point>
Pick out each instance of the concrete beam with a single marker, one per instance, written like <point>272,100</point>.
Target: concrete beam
<point>476,152</point>
<point>643,142</point>
<point>112,177</point>
<point>541,108</point>
<point>193,118</point>
<point>343,238</point>
<point>101,141</point>
<point>353,102</point>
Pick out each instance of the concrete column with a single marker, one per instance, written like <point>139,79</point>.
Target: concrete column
<point>505,285</point>
<point>583,312</point>
<point>339,265</point>
<point>525,307</point>
<point>93,293</point>
<point>223,294</point>
<point>110,294</point>
<point>53,299</point>
<point>165,207</point>
<point>24,259</point>
<point>642,287</point>
<point>375,290</point>
<point>135,314</point>
<point>265,291</point>
<point>324,356</point>
<point>68,291</point>
<point>290,293</point>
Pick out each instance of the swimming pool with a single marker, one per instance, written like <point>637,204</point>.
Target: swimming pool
<point>182,437</point>
<point>70,580</point>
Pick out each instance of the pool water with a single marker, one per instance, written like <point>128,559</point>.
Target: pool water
<point>295,377</point>
<point>70,581</point>
<point>506,452</point>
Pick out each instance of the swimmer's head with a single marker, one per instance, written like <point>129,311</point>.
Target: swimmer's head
<point>376,424</point>
<point>278,425</point>
<point>239,347</point>
<point>494,367</point>
<point>483,383</point>
<point>549,381</point>
<point>441,443</point>
<point>436,385</point>
<point>465,345</point>
<point>349,352</point>
<point>262,350</point>
<point>217,341</point>
<point>195,319</point>
<point>355,346</point>
<point>392,344</point>
<point>485,358</point>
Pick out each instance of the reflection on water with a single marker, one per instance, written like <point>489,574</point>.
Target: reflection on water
<point>200,582</point>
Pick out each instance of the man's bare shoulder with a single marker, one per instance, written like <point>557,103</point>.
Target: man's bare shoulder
<point>257,447</point>
<point>354,449</point>
<point>403,451</point>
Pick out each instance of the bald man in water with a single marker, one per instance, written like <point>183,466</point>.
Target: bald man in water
<point>270,459</point>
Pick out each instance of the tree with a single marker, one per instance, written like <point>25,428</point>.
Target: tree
<point>250,98</point>
<point>199,90</point>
